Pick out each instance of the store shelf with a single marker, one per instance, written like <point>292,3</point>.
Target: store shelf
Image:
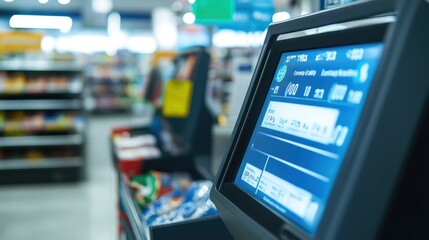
<point>57,140</point>
<point>74,90</point>
<point>14,164</point>
<point>41,117</point>
<point>26,65</point>
<point>31,123</point>
<point>74,104</point>
<point>111,95</point>
<point>110,111</point>
<point>52,129</point>
<point>49,94</point>
<point>113,81</point>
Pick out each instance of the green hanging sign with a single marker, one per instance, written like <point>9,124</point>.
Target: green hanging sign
<point>213,11</point>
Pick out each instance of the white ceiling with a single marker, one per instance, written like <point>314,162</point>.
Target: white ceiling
<point>79,5</point>
<point>138,11</point>
<point>89,18</point>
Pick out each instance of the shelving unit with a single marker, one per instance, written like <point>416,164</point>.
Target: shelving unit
<point>114,83</point>
<point>13,164</point>
<point>42,121</point>
<point>36,104</point>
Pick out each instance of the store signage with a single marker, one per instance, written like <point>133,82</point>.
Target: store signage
<point>18,42</point>
<point>213,11</point>
<point>177,98</point>
<point>251,15</point>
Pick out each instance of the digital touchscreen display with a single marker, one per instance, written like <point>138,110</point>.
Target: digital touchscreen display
<point>304,129</point>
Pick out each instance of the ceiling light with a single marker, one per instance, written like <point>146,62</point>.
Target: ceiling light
<point>164,25</point>
<point>64,2</point>
<point>48,44</point>
<point>142,44</point>
<point>191,1</point>
<point>222,38</point>
<point>114,24</point>
<point>43,1</point>
<point>102,6</point>
<point>61,23</point>
<point>8,0</point>
<point>82,43</point>
<point>189,18</point>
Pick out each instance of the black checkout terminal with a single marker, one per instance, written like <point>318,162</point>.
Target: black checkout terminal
<point>332,138</point>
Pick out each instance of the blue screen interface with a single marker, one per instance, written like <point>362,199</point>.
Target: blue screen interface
<point>304,129</point>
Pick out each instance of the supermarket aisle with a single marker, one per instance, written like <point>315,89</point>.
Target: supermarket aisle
<point>85,210</point>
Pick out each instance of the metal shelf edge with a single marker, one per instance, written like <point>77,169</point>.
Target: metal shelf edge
<point>15,164</point>
<point>24,65</point>
<point>58,140</point>
<point>40,104</point>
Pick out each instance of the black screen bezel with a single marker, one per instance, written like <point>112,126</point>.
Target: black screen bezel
<point>253,208</point>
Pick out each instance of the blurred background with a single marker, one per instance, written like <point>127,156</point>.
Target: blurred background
<point>73,70</point>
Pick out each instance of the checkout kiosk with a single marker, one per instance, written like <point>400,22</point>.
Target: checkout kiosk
<point>332,139</point>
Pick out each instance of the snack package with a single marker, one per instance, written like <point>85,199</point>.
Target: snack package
<point>152,185</point>
<point>180,206</point>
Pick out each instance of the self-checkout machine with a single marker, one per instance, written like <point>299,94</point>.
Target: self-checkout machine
<point>331,142</point>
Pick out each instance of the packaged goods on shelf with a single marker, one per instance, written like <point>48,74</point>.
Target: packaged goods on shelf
<point>115,82</point>
<point>24,122</point>
<point>20,83</point>
<point>41,119</point>
<point>12,83</point>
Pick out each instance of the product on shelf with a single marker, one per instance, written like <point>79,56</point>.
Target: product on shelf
<point>113,102</point>
<point>18,83</point>
<point>34,155</point>
<point>115,81</point>
<point>12,83</point>
<point>103,89</point>
<point>21,122</point>
<point>181,205</point>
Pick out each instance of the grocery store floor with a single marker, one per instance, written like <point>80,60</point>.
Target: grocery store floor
<point>84,210</point>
